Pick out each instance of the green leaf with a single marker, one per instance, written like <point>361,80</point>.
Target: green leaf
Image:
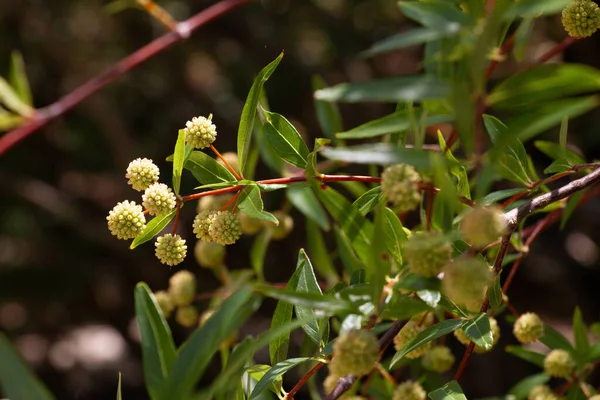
<point>158,349</point>
<point>275,373</point>
<point>452,307</point>
<point>436,15</point>
<point>285,140</point>
<point>249,113</point>
<point>9,120</point>
<point>396,89</point>
<point>328,115</point>
<point>305,200</point>
<point>555,340</point>
<point>571,206</point>
<point>251,204</point>
<point>450,391</point>
<point>527,355</point>
<point>119,396</point>
<point>318,252</point>
<point>206,169</point>
<point>396,122</point>
<point>479,331</point>
<point>229,381</point>
<point>495,197</point>
<point>258,371</point>
<point>534,120</point>
<point>542,83</point>
<point>278,348</point>
<point>368,201</point>
<point>327,303</point>
<point>345,251</point>
<point>258,251</point>
<point>582,343</point>
<point>178,160</point>
<point>428,335</point>
<point>557,152</point>
<point>534,8</point>
<point>394,234</point>
<point>153,228</point>
<point>378,266</point>
<point>307,283</point>
<point>380,154</point>
<point>495,293</point>
<point>196,353</point>
<point>456,169</point>
<point>16,378</point>
<point>412,37</point>
<point>10,98</point>
<point>521,390</point>
<point>18,78</point>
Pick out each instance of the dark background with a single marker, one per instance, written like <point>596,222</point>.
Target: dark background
<point>66,285</point>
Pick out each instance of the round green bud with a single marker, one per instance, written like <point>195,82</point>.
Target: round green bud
<point>225,228</point>
<point>142,173</point>
<point>209,254</point>
<point>186,316</point>
<point>182,288</point>
<point>559,364</point>
<point>163,299</point>
<point>250,225</point>
<point>528,328</point>
<point>542,392</point>
<point>581,18</point>
<point>409,331</point>
<point>354,353</point>
<point>215,202</point>
<point>483,225</point>
<point>427,253</point>
<point>438,359</point>
<point>466,280</point>
<point>200,132</point>
<point>400,185</point>
<point>286,224</point>
<point>202,223</point>
<point>409,390</point>
<point>169,249</point>
<point>159,199</point>
<point>232,160</point>
<point>464,339</point>
<point>126,220</point>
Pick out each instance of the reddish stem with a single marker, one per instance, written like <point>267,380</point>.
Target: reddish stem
<point>559,48</point>
<point>176,220</point>
<point>182,31</point>
<point>305,378</point>
<point>229,167</point>
<point>506,47</point>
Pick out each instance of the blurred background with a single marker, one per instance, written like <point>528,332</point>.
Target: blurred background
<point>66,284</point>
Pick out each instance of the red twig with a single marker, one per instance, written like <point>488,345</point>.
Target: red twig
<point>305,378</point>
<point>506,47</point>
<point>182,31</point>
<point>229,167</point>
<point>559,48</point>
<point>176,221</point>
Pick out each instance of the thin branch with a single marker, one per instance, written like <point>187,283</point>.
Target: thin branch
<point>182,31</point>
<point>516,215</point>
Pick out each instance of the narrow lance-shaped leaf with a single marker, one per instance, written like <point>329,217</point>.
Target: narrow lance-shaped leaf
<point>275,372</point>
<point>450,391</point>
<point>153,228</point>
<point>249,112</point>
<point>527,355</point>
<point>178,160</point>
<point>582,343</point>
<point>18,78</point>
<point>479,331</point>
<point>251,204</point>
<point>119,396</point>
<point>158,349</point>
<point>319,254</point>
<point>305,200</point>
<point>206,169</point>
<point>328,115</point>
<point>285,140</point>
<point>16,379</point>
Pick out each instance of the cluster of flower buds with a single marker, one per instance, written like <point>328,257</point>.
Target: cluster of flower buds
<point>179,297</point>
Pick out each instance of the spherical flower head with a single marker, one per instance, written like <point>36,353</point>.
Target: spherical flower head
<point>226,228</point>
<point>232,160</point>
<point>182,288</point>
<point>409,331</point>
<point>427,253</point>
<point>215,202</point>
<point>186,316</point>
<point>559,364</point>
<point>142,173</point>
<point>466,280</point>
<point>464,339</point>
<point>528,328</point>
<point>202,223</point>
<point>250,225</point>
<point>159,199</point>
<point>542,392</point>
<point>209,254</point>
<point>170,250</point>
<point>438,359</point>
<point>163,299</point>
<point>354,353</point>
<point>483,225</point>
<point>581,18</point>
<point>409,390</point>
<point>286,224</point>
<point>126,220</point>
<point>595,397</point>
<point>200,132</point>
<point>400,185</point>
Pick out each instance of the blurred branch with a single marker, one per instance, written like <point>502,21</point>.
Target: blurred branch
<point>181,32</point>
